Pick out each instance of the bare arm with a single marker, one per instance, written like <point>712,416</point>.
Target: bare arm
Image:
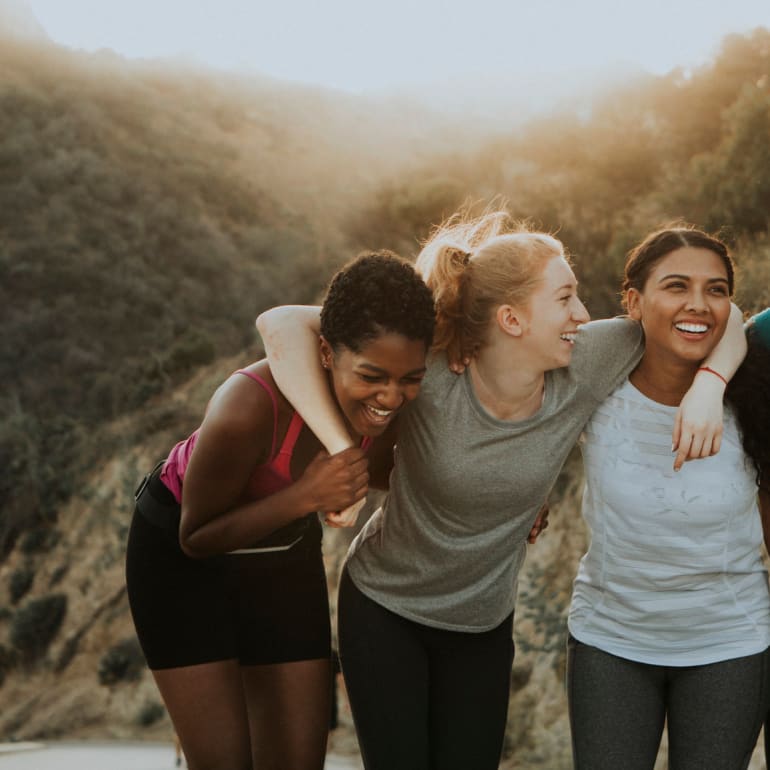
<point>698,425</point>
<point>235,436</point>
<point>290,335</point>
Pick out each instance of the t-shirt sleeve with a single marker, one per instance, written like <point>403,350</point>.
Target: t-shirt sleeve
<point>605,353</point>
<point>759,327</point>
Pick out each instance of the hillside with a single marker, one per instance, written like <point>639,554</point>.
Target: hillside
<point>69,662</point>
<point>148,212</point>
<point>689,145</point>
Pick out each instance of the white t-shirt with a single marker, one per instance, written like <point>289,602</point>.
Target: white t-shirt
<point>673,575</point>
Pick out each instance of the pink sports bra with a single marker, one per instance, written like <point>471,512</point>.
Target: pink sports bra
<point>267,478</point>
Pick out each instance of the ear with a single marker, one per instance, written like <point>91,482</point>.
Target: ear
<point>326,352</point>
<point>510,320</point>
<point>634,303</point>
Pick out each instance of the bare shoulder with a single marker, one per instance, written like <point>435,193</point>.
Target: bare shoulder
<point>243,405</point>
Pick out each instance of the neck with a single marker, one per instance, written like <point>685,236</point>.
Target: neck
<point>506,391</point>
<point>665,383</point>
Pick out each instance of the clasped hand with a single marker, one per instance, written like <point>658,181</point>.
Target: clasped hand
<point>338,482</point>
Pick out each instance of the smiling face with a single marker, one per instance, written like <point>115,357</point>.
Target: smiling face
<point>371,386</point>
<point>553,314</point>
<point>684,305</point>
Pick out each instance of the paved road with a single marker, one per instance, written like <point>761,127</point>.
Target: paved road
<point>98,756</point>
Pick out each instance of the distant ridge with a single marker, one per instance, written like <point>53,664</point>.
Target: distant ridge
<point>18,22</point>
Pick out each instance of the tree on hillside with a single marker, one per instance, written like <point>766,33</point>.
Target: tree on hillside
<point>731,185</point>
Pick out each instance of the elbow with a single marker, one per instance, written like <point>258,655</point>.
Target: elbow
<point>262,322</point>
<point>190,549</point>
<point>268,320</point>
<point>192,544</point>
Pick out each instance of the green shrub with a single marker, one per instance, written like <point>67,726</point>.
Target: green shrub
<point>20,582</point>
<point>39,540</point>
<point>57,575</point>
<point>150,713</point>
<point>36,624</point>
<point>7,662</point>
<point>124,661</point>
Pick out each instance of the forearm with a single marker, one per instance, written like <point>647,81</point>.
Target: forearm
<point>245,524</point>
<point>290,337</point>
<point>729,353</point>
<point>698,425</point>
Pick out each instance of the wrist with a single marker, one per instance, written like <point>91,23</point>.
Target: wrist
<point>710,372</point>
<point>302,499</point>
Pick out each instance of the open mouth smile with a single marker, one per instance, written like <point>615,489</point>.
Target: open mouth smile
<point>378,415</point>
<point>691,328</point>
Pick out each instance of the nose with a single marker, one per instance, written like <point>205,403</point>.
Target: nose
<point>390,397</point>
<point>579,312</point>
<point>696,301</point>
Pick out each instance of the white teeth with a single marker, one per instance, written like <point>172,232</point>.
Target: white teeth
<point>379,412</point>
<point>692,328</point>
<point>568,337</point>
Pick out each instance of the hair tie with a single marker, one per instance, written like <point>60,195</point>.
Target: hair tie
<point>465,256</point>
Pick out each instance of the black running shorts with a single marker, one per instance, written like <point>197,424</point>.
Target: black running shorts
<point>258,608</point>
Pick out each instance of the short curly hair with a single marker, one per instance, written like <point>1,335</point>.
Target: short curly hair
<point>747,392</point>
<point>376,293</point>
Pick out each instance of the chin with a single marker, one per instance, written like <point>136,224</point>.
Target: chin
<point>374,430</point>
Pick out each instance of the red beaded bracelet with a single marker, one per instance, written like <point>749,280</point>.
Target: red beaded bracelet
<point>713,371</point>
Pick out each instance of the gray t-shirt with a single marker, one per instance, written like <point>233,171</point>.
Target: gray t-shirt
<point>446,547</point>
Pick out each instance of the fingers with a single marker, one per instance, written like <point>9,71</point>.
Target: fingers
<point>697,445</point>
<point>676,436</point>
<point>540,523</point>
<point>354,460</point>
<point>338,480</point>
<point>535,532</point>
<point>698,424</point>
<point>346,518</point>
<point>681,455</point>
<point>458,367</point>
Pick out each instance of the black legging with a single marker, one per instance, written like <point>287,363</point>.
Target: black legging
<point>423,698</point>
<point>767,740</point>
<point>617,709</point>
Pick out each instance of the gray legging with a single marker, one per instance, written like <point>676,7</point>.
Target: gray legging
<point>618,707</point>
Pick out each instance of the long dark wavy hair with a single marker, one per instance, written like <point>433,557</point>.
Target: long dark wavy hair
<point>749,395</point>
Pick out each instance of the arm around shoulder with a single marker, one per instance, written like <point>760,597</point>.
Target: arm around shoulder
<point>699,419</point>
<point>605,353</point>
<point>291,338</point>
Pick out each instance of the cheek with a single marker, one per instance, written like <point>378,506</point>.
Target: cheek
<point>343,387</point>
<point>352,389</point>
<point>722,317</point>
<point>411,392</point>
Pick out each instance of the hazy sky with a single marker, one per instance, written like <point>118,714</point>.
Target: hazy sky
<point>373,44</point>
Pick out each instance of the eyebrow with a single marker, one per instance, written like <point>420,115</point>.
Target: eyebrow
<point>687,278</point>
<point>569,286</point>
<point>379,370</point>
